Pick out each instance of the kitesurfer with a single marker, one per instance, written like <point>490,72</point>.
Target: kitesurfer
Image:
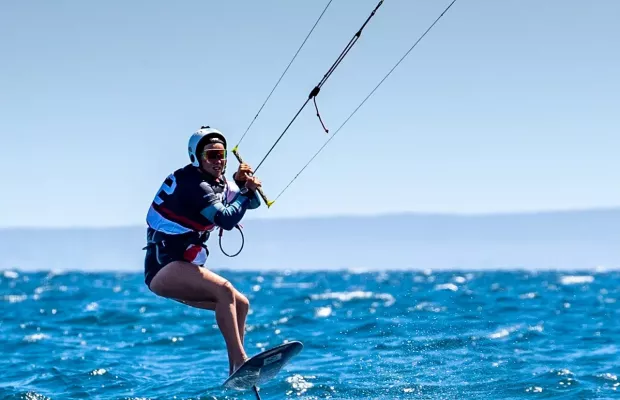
<point>192,202</point>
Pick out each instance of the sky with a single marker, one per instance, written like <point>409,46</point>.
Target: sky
<point>505,106</point>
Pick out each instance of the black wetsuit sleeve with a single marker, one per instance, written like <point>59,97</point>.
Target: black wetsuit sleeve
<point>226,217</point>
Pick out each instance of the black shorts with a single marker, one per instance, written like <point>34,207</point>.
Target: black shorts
<point>163,249</point>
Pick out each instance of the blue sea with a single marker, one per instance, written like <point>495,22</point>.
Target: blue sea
<point>366,335</point>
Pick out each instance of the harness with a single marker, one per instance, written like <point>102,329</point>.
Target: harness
<point>199,235</point>
<point>181,241</point>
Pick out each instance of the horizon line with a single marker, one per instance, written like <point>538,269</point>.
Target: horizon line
<point>352,270</point>
<point>347,216</point>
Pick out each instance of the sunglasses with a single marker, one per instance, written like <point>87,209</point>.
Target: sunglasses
<point>214,154</point>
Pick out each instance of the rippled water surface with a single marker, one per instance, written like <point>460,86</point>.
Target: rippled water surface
<point>372,335</point>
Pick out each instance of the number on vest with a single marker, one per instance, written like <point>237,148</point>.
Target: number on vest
<point>167,187</point>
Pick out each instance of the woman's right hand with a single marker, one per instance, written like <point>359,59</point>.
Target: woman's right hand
<point>252,183</point>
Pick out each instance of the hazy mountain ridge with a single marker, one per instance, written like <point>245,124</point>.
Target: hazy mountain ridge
<point>557,240</point>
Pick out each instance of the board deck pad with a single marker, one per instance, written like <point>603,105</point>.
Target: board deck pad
<point>263,366</point>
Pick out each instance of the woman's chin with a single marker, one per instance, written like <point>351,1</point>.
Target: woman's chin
<point>216,173</point>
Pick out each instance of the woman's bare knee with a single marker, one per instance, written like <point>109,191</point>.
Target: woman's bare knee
<point>226,292</point>
<point>243,304</point>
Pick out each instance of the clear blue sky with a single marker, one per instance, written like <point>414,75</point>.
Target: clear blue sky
<point>504,106</point>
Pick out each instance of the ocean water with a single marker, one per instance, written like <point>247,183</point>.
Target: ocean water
<point>367,335</point>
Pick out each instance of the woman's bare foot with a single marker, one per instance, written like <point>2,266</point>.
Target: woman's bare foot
<point>232,367</point>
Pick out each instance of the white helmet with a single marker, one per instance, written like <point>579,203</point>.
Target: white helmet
<point>195,142</point>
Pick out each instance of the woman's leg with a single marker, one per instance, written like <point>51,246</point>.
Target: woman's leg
<point>187,282</point>
<point>243,306</point>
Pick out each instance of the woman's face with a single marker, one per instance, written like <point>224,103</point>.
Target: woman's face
<point>213,159</point>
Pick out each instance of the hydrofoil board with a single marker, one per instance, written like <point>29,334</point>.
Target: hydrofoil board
<point>263,366</point>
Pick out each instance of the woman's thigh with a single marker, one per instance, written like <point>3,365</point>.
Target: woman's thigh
<point>188,282</point>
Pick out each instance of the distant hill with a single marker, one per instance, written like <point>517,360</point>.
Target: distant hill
<point>547,240</point>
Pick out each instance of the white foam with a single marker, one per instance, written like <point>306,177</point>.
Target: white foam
<point>41,289</point>
<point>499,334</point>
<point>576,279</point>
<point>299,384</point>
<point>447,286</point>
<point>282,320</point>
<point>565,372</point>
<point>323,312</point>
<point>427,306</point>
<point>11,274</point>
<point>359,270</point>
<point>15,298</point>
<point>502,333</point>
<point>601,269</point>
<point>536,328</point>
<point>355,295</point>
<point>35,337</point>
<point>99,371</point>
<point>35,396</point>
<point>608,376</point>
